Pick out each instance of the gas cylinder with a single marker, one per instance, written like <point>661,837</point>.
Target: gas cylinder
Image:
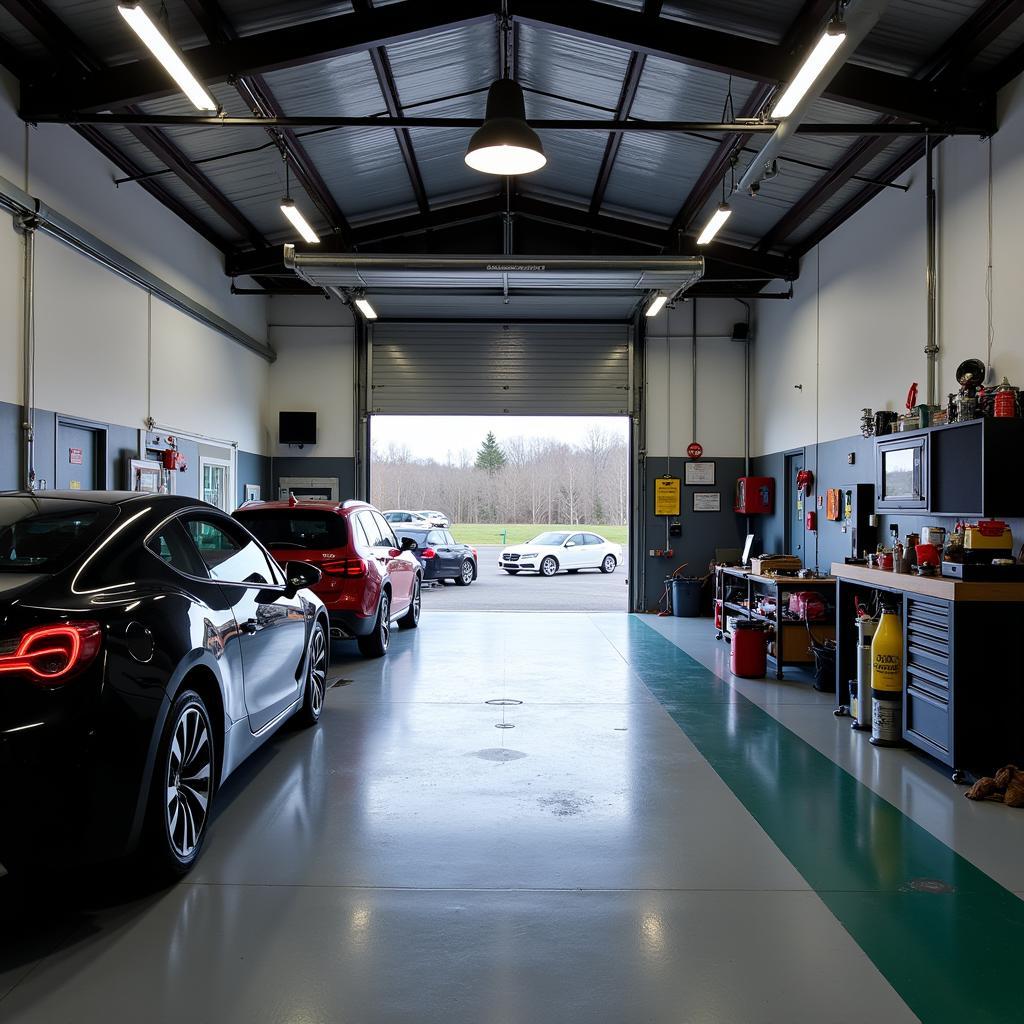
<point>887,681</point>
<point>1005,400</point>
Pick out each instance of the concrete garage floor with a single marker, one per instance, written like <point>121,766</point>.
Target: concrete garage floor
<point>648,842</point>
<point>589,590</point>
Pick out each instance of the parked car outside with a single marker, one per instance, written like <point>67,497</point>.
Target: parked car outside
<point>148,645</point>
<point>435,518</point>
<point>402,516</point>
<point>441,556</point>
<point>556,551</point>
<point>369,582</point>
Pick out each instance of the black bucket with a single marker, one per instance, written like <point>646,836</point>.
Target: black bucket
<point>824,664</point>
<point>685,596</point>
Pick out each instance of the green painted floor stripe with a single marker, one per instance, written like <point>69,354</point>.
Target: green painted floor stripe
<point>950,956</point>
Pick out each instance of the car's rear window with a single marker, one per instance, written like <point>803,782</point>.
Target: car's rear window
<point>40,536</point>
<point>295,528</point>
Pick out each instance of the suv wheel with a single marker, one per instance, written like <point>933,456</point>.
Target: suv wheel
<point>375,644</point>
<point>466,574</point>
<point>411,619</point>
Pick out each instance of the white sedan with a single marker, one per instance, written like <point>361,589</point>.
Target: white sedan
<point>438,519</point>
<point>552,552</point>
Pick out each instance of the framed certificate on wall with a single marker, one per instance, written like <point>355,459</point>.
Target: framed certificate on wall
<point>707,501</point>
<point>701,474</point>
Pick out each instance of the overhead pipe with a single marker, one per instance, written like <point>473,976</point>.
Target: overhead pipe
<point>860,18</point>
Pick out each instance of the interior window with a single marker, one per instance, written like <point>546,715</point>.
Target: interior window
<point>228,552</point>
<point>172,544</point>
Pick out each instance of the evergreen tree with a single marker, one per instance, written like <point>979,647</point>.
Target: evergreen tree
<point>490,456</point>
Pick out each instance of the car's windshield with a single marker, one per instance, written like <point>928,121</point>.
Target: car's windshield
<point>295,528</point>
<point>41,536</point>
<point>550,539</point>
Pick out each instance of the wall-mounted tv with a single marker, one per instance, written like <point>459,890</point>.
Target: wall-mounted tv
<point>296,427</point>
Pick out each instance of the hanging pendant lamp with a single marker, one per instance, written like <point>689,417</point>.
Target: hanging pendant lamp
<point>505,143</point>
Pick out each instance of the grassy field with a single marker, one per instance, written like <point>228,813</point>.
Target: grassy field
<point>519,533</point>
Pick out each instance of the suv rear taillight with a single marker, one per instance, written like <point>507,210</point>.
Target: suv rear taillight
<point>428,553</point>
<point>51,655</point>
<point>346,567</point>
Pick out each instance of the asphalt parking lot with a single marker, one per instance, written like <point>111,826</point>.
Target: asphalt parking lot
<point>495,591</point>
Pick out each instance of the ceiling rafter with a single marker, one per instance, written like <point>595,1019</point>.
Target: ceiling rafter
<point>63,45</point>
<point>286,47</point>
<point>627,96</point>
<point>389,92</point>
<point>255,92</point>
<point>972,37</point>
<point>808,22</point>
<point>755,59</point>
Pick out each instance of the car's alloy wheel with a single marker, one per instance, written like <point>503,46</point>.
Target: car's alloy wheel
<point>609,563</point>
<point>466,574</point>
<point>188,777</point>
<point>548,567</point>
<point>411,619</point>
<point>376,644</point>
<point>316,678</point>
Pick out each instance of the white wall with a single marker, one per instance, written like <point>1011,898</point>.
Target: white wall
<point>669,384</point>
<point>99,353</point>
<point>314,342</point>
<point>858,338</point>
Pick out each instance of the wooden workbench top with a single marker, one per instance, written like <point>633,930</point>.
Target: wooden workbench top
<point>942,588</point>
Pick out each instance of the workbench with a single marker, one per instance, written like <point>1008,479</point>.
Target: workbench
<point>738,589</point>
<point>963,662</point>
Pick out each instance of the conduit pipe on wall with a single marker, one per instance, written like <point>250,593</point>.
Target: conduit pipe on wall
<point>28,224</point>
<point>931,348</point>
<point>860,18</point>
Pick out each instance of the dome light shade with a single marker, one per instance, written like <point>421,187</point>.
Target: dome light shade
<point>505,143</point>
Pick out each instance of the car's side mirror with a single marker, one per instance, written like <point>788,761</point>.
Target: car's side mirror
<point>570,543</point>
<point>408,544</point>
<point>299,576</point>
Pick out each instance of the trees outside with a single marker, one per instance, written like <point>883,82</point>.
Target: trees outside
<point>520,480</point>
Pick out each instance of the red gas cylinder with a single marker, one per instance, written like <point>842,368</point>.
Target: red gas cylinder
<point>749,656</point>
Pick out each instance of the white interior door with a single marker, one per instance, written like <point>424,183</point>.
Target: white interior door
<point>215,482</point>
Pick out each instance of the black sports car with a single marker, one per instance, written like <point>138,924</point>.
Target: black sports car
<point>440,554</point>
<point>148,645</point>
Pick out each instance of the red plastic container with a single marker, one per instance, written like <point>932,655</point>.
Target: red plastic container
<point>749,657</point>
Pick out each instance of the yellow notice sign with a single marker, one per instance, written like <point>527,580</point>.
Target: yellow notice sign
<point>666,496</point>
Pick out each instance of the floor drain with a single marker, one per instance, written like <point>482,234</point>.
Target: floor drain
<point>504,703</point>
<point>504,725</point>
<point>932,885</point>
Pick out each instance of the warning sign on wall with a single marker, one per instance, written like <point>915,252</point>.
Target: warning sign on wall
<point>75,456</point>
<point>666,496</point>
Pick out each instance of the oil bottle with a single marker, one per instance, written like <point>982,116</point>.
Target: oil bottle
<point>887,680</point>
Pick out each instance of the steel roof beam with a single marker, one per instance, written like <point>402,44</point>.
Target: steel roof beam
<point>389,92</point>
<point>286,47</point>
<point>255,92</point>
<point>754,59</point>
<point>62,44</point>
<point>630,84</point>
<point>808,22</point>
<point>972,37</point>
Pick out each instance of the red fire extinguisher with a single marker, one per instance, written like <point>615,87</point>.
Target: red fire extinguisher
<point>1005,400</point>
<point>172,459</point>
<point>811,521</point>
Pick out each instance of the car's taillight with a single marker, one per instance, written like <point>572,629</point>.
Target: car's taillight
<point>428,553</point>
<point>346,567</point>
<point>51,655</point>
<point>475,555</point>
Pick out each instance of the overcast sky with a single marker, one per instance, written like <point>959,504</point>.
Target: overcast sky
<point>438,436</point>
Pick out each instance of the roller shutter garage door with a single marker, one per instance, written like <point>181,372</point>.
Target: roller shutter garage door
<point>488,369</point>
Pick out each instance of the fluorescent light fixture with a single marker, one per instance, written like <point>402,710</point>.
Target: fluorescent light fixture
<point>291,211</point>
<point>366,309</point>
<point>654,307</point>
<point>819,57</point>
<point>505,143</point>
<point>713,226</point>
<point>165,52</point>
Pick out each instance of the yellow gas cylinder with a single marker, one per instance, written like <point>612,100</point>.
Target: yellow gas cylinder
<point>887,681</point>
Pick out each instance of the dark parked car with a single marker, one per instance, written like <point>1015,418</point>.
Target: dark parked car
<point>148,645</point>
<point>369,582</point>
<point>441,555</point>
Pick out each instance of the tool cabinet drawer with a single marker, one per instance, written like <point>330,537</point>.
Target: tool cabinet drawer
<point>927,724</point>
<point>928,615</point>
<point>931,682</point>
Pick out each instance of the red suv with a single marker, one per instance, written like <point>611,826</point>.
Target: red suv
<point>369,580</point>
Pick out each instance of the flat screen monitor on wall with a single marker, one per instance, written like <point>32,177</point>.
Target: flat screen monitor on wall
<point>297,428</point>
